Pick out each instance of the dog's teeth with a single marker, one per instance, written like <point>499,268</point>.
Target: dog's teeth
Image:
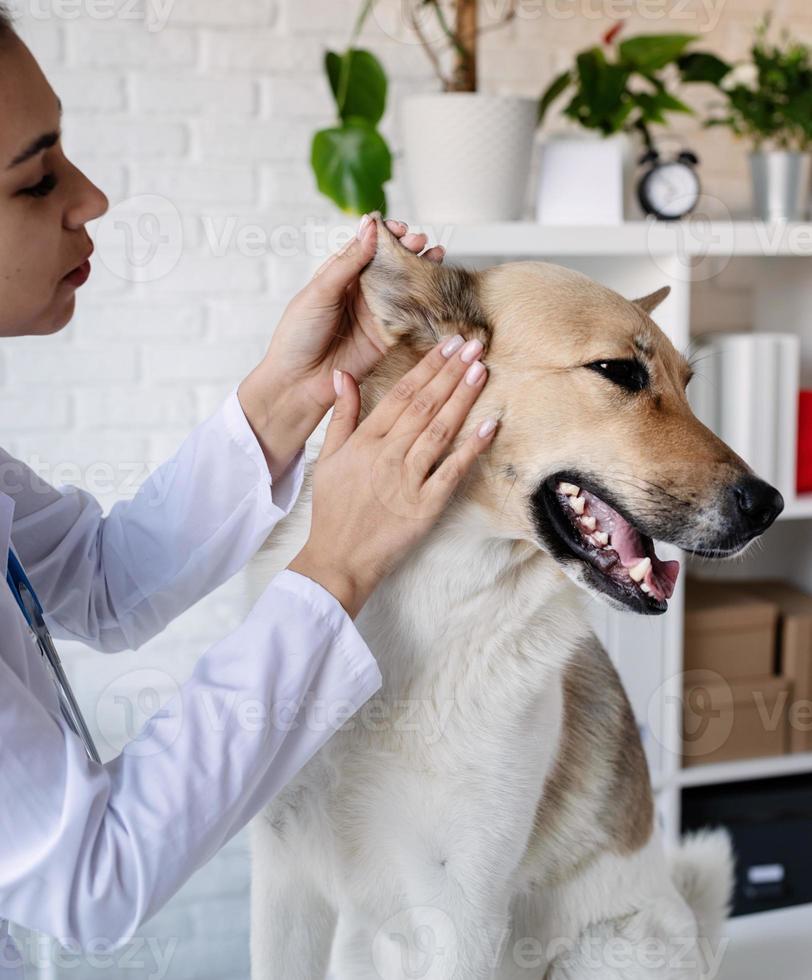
<point>589,522</point>
<point>569,489</point>
<point>577,504</point>
<point>601,538</point>
<point>638,572</point>
<point>645,588</point>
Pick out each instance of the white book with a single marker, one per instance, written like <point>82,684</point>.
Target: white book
<point>788,387</point>
<point>746,391</point>
<point>738,397</point>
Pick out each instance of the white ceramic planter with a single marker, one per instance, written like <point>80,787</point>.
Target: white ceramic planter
<point>586,179</point>
<point>467,155</point>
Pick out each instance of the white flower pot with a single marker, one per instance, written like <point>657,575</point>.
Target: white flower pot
<point>587,179</point>
<point>467,155</point>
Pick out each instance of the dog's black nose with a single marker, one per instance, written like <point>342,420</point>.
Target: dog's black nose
<point>759,504</point>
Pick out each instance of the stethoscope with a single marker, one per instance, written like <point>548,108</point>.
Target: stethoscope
<point>31,608</point>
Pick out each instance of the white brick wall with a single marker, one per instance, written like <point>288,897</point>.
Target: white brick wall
<point>214,111</point>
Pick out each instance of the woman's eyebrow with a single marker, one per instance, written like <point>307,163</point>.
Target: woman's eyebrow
<point>41,143</point>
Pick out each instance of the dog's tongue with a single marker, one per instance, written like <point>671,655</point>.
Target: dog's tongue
<point>661,578</point>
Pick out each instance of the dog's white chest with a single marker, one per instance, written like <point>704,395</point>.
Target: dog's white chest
<point>450,802</point>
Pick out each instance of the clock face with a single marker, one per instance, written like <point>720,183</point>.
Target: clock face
<point>670,190</point>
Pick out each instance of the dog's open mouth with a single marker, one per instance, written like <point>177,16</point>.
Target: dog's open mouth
<point>620,558</point>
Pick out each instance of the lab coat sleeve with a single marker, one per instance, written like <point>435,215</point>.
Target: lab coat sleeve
<point>87,852</point>
<point>114,582</point>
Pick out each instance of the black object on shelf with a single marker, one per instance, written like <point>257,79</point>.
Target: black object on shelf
<point>770,823</point>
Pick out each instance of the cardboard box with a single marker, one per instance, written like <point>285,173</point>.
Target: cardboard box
<point>745,719</point>
<point>728,630</point>
<point>795,653</point>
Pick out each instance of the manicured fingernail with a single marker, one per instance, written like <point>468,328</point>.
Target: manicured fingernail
<point>471,350</point>
<point>397,221</point>
<point>361,226</point>
<point>338,381</point>
<point>486,428</point>
<point>453,345</point>
<point>474,373</point>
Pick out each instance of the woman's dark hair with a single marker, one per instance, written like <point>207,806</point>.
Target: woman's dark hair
<point>6,27</point>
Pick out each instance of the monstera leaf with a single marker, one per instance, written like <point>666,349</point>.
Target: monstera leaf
<point>359,84</point>
<point>352,163</point>
<point>351,160</point>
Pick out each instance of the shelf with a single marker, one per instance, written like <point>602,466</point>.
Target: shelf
<point>798,508</point>
<point>732,772</point>
<point>634,238</point>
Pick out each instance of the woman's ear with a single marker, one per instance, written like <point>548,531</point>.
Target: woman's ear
<point>417,300</point>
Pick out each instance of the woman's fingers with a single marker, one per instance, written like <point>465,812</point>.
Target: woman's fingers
<point>413,241</point>
<point>426,403</point>
<point>395,402</point>
<point>344,419</point>
<point>434,254</point>
<point>398,228</point>
<point>446,478</point>
<point>340,269</point>
<point>443,429</point>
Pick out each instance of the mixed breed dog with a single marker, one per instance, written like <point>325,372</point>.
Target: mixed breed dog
<point>488,815</point>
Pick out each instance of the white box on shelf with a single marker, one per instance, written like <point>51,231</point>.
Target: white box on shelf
<point>746,390</point>
<point>582,180</point>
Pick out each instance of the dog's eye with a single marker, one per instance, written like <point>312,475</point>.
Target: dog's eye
<point>629,374</point>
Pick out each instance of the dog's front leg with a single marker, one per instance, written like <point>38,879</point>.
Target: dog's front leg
<point>444,943</point>
<point>292,924</point>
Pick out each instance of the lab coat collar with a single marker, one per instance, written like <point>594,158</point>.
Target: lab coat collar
<point>6,516</point>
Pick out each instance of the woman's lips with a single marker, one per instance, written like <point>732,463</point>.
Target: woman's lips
<point>79,275</point>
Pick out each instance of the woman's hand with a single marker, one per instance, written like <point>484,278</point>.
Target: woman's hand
<point>327,326</point>
<point>375,489</point>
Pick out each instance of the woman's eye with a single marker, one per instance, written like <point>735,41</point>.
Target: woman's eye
<point>629,374</point>
<point>43,188</point>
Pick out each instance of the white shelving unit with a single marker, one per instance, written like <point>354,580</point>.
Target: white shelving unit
<point>637,258</point>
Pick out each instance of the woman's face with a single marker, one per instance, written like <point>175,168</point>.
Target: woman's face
<point>45,203</point>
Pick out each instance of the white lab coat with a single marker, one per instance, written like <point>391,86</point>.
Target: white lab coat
<point>87,852</point>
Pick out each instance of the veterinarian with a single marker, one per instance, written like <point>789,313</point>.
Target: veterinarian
<point>88,851</point>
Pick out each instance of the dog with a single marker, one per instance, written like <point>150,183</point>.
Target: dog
<point>491,816</point>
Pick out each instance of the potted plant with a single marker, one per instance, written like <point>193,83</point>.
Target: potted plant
<point>617,93</point>
<point>768,102</point>
<point>466,153</point>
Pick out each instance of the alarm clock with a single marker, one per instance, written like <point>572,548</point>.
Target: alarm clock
<point>669,189</point>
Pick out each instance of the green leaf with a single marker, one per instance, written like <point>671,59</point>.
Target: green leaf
<point>359,84</point>
<point>555,89</point>
<point>651,52</point>
<point>702,67</point>
<point>352,163</point>
<point>670,103</point>
<point>602,85</point>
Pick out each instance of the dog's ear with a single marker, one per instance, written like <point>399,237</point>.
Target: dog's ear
<point>418,300</point>
<point>648,304</point>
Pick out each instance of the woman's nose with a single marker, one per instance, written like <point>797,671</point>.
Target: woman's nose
<point>85,203</point>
